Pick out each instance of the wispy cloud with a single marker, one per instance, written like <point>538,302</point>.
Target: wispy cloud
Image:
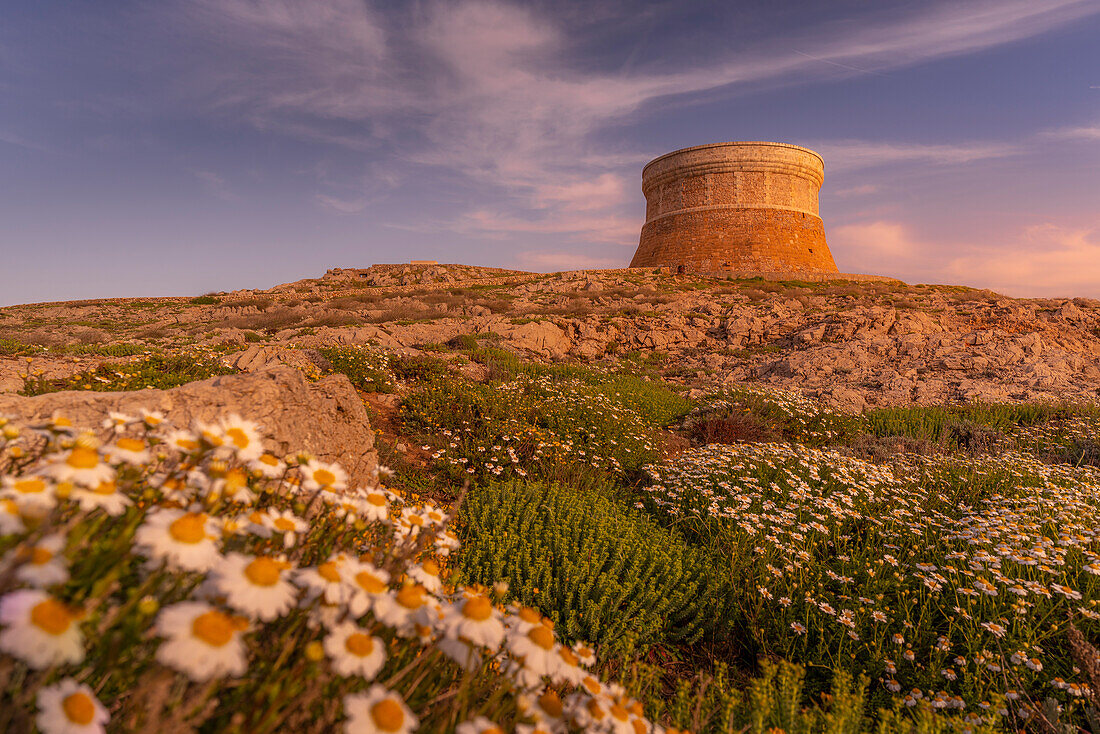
<point>215,185</point>
<point>487,90</point>
<point>848,155</point>
<point>1083,132</point>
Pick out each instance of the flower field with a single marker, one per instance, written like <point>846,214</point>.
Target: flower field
<point>159,578</point>
<point>578,550</point>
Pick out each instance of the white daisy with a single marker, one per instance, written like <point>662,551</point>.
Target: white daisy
<point>475,619</point>
<point>68,707</point>
<point>81,465</point>
<point>200,641</point>
<point>480,725</point>
<point>151,418</point>
<point>40,630</point>
<point>268,466</point>
<point>378,711</point>
<point>369,585</point>
<point>354,651</point>
<point>255,586</point>
<point>320,475</point>
<point>427,575</point>
<point>326,580</point>
<point>127,449</point>
<point>44,566</point>
<point>404,611</point>
<point>10,520</point>
<point>116,421</point>
<point>183,539</point>
<point>183,441</point>
<point>536,650</point>
<point>243,437</point>
<point>32,494</point>
<point>105,496</point>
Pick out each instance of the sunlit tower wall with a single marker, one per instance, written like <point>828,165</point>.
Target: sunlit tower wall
<point>746,207</point>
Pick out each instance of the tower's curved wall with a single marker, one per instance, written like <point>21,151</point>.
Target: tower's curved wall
<point>735,206</point>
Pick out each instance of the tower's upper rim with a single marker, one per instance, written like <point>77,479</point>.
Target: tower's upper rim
<point>736,144</point>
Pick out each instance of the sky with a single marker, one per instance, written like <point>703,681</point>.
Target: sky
<point>186,146</point>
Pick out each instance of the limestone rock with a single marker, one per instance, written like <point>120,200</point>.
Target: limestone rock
<point>326,418</point>
<point>257,358</point>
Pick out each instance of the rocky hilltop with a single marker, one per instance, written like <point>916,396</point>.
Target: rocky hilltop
<point>852,344</point>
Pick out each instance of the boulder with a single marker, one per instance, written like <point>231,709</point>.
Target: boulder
<point>326,418</point>
<point>258,357</point>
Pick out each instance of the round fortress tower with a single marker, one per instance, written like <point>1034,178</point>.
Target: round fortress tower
<point>748,207</point>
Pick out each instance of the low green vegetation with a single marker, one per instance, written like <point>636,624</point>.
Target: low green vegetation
<point>600,570</point>
<point>560,422</point>
<point>156,371</point>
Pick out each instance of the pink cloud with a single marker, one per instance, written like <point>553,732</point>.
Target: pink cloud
<point>1041,260</point>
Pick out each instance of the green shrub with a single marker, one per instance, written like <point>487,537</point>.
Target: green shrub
<point>748,414</point>
<point>157,371</point>
<point>207,300</point>
<point>603,573</point>
<point>418,368</point>
<point>367,370</point>
<point>954,424</point>
<point>564,429</point>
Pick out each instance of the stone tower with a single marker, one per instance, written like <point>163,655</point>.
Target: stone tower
<point>745,207</point>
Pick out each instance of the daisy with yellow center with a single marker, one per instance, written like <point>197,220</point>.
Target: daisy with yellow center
<point>32,494</point>
<point>287,524</point>
<point>547,707</point>
<point>375,505</point>
<point>368,585</point>
<point>40,630</point>
<point>320,475</point>
<point>183,441</point>
<point>209,434</point>
<point>43,565</point>
<point>256,586</point>
<point>475,619</point>
<point>242,437</point>
<point>116,422</point>
<point>233,487</point>
<point>201,641</point>
<point>405,610</point>
<point>446,542</point>
<point>69,707</point>
<point>152,418</point>
<point>378,711</point>
<point>268,466</point>
<point>353,651</point>
<point>130,450</point>
<point>81,465</point>
<point>10,520</point>
<point>182,539</point>
<point>570,670</point>
<point>586,656</point>
<point>105,496</point>
<point>427,575</point>
<point>480,725</point>
<point>536,649</point>
<point>326,580</point>
<point>61,423</point>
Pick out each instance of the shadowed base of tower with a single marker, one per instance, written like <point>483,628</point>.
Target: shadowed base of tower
<point>736,239</point>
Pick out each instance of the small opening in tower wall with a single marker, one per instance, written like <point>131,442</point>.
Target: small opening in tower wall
<point>811,250</point>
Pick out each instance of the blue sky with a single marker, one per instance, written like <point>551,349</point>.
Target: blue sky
<point>182,147</point>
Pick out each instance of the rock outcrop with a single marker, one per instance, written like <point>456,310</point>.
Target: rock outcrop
<point>326,418</point>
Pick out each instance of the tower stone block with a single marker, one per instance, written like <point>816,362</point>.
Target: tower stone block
<point>749,207</point>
